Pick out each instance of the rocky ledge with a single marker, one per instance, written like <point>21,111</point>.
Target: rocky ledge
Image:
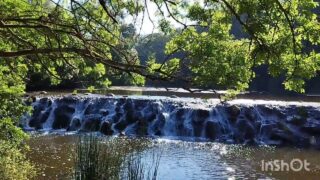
<point>255,123</point>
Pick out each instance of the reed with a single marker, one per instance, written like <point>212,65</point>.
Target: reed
<point>114,158</point>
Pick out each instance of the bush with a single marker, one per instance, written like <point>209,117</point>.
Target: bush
<point>13,163</point>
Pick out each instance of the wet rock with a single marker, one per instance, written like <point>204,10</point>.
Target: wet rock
<point>302,112</point>
<point>43,92</point>
<point>116,117</point>
<point>266,130</point>
<point>104,112</point>
<point>140,104</point>
<point>110,95</point>
<point>159,124</point>
<point>106,128</point>
<point>158,133</point>
<point>212,129</point>
<point>245,131</point>
<point>127,104</point>
<point>132,117</point>
<point>91,122</point>
<point>312,127</point>
<point>75,124</point>
<point>149,116</point>
<point>121,125</point>
<point>43,100</point>
<point>117,109</point>
<point>199,116</point>
<point>289,138</point>
<point>180,113</point>
<point>233,112</point>
<point>142,128</point>
<point>174,96</point>
<point>67,100</point>
<point>250,114</point>
<point>63,116</point>
<point>296,120</point>
<point>122,133</point>
<point>39,117</point>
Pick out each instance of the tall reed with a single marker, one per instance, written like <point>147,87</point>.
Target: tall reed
<point>99,158</point>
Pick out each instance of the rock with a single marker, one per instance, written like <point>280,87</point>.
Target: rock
<point>149,116</point>
<point>117,109</point>
<point>92,122</point>
<point>110,95</point>
<point>106,128</point>
<point>199,116</point>
<point>104,112</point>
<point>70,100</point>
<point>128,106</point>
<point>312,128</point>
<point>289,138</point>
<point>158,124</point>
<point>121,125</point>
<point>158,133</point>
<point>63,116</point>
<point>122,133</point>
<point>296,120</point>
<point>39,117</point>
<point>75,124</point>
<point>266,130</point>
<point>33,99</point>
<point>179,114</point>
<point>132,117</point>
<point>142,128</point>
<point>43,92</point>
<point>245,131</point>
<point>116,117</point>
<point>302,112</point>
<point>249,113</point>
<point>212,130</point>
<point>233,112</point>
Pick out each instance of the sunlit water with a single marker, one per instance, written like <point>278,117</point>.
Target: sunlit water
<point>181,159</point>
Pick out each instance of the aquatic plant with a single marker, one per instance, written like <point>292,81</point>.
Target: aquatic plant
<point>113,158</point>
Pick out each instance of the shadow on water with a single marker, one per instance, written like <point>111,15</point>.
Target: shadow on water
<point>179,159</point>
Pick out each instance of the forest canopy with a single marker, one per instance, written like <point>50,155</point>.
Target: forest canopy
<point>92,40</point>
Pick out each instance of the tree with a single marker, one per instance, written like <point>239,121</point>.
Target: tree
<point>64,37</point>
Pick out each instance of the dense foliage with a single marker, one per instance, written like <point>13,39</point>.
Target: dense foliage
<point>90,41</point>
<point>13,163</point>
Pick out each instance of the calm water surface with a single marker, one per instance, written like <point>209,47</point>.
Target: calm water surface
<point>181,159</point>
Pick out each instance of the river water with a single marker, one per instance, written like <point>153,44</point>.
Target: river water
<point>182,159</point>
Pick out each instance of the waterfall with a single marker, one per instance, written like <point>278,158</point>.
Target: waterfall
<point>266,123</point>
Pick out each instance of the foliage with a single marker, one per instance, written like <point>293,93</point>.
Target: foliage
<point>13,163</point>
<point>278,34</point>
<point>90,41</point>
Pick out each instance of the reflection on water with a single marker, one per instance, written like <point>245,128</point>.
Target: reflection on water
<point>181,159</point>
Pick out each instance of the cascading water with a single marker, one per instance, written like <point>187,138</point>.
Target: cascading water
<point>236,122</point>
